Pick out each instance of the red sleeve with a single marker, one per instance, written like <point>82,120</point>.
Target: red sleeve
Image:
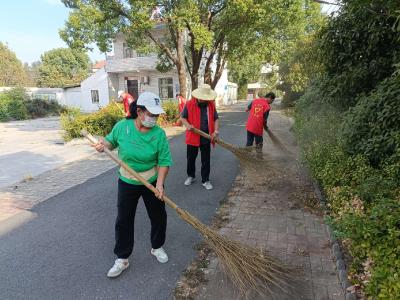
<point>126,105</point>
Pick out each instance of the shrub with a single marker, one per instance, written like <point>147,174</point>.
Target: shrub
<point>372,127</point>
<point>4,116</point>
<point>171,115</point>
<point>16,105</point>
<point>39,108</point>
<point>97,123</point>
<point>12,105</point>
<point>102,121</point>
<point>363,198</point>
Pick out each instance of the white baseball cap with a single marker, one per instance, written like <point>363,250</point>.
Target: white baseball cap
<point>151,102</point>
<point>120,93</point>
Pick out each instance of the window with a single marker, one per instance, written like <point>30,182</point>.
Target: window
<point>95,96</point>
<point>44,96</point>
<point>166,89</point>
<point>128,52</point>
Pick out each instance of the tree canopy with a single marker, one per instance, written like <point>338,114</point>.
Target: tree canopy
<point>63,67</point>
<point>12,72</point>
<point>200,35</point>
<point>32,72</point>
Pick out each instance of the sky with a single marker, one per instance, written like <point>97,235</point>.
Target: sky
<point>30,27</point>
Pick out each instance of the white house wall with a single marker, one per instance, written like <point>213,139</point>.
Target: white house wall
<point>113,85</point>
<point>153,86</point>
<point>72,97</point>
<point>97,81</point>
<point>80,97</point>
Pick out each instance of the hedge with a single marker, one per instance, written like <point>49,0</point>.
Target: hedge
<point>101,122</point>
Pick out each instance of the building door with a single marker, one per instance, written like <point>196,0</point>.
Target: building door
<point>133,88</point>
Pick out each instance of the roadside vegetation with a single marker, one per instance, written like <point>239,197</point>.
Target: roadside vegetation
<point>16,105</point>
<point>348,125</point>
<point>101,122</point>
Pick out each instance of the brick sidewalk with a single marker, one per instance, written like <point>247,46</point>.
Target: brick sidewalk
<point>266,209</point>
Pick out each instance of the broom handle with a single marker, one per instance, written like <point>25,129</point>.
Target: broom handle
<point>93,140</point>
<point>216,140</point>
<point>119,107</point>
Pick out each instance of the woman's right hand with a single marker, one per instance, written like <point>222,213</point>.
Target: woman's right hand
<point>99,146</point>
<point>189,127</point>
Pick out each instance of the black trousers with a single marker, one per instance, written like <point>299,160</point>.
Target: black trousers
<point>128,197</point>
<point>192,152</point>
<point>250,139</point>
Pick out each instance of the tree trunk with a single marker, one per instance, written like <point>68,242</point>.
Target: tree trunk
<point>195,80</point>
<point>180,63</point>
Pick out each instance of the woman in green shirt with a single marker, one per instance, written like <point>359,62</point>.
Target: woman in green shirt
<point>144,147</point>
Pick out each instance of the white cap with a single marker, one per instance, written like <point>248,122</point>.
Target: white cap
<point>120,93</point>
<point>151,102</point>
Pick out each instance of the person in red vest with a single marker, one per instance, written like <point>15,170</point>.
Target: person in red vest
<point>127,100</point>
<point>257,121</point>
<point>181,105</point>
<point>200,113</point>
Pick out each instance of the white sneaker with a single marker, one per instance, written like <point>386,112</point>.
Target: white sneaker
<point>119,266</point>
<point>161,255</point>
<point>189,180</point>
<point>207,185</point>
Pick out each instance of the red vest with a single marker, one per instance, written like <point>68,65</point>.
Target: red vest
<point>194,119</point>
<point>255,122</point>
<point>126,98</point>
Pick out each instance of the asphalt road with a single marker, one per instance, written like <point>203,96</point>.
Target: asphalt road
<point>66,251</point>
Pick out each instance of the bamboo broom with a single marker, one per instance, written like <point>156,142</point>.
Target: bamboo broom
<point>240,152</point>
<point>249,269</point>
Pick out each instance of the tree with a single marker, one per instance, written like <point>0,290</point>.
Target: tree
<point>299,63</point>
<point>288,47</point>
<point>11,70</point>
<point>197,33</point>
<point>32,73</point>
<point>63,67</point>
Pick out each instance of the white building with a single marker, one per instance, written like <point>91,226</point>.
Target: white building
<point>254,88</point>
<point>135,73</point>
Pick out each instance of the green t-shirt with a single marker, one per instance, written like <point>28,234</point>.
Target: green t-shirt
<point>141,151</point>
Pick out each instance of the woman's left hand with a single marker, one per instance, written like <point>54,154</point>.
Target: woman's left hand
<point>160,189</point>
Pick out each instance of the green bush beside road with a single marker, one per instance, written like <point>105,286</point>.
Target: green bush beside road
<point>348,126</point>
<point>101,122</point>
<point>16,105</point>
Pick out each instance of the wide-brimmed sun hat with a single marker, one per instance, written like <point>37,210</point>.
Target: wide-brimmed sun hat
<point>204,92</point>
<point>151,102</point>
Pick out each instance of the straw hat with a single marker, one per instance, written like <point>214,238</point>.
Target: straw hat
<point>204,92</point>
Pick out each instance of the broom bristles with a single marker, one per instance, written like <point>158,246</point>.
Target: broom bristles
<point>248,268</point>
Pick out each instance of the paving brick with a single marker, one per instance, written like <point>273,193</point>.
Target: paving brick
<point>320,292</point>
<point>297,237</point>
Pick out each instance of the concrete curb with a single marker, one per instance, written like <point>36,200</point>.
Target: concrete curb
<point>335,249</point>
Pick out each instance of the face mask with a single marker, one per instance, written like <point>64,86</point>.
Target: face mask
<point>149,122</point>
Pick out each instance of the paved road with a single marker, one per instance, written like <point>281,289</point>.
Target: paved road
<point>65,252</point>
<point>31,147</point>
